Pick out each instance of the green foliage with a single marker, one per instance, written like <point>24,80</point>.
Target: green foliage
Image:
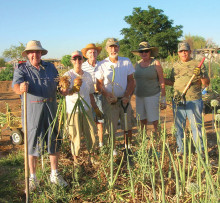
<point>2,62</point>
<point>7,74</point>
<point>153,26</point>
<point>12,177</point>
<point>66,61</point>
<point>103,53</point>
<point>14,52</point>
<point>195,42</point>
<point>215,84</point>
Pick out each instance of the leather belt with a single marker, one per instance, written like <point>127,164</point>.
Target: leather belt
<point>43,100</point>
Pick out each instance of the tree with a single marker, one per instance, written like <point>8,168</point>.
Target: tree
<point>103,53</point>
<point>66,60</point>
<point>7,74</point>
<point>153,26</point>
<point>195,42</point>
<point>14,52</point>
<point>2,62</point>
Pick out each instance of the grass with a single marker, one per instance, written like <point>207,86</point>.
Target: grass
<point>158,174</point>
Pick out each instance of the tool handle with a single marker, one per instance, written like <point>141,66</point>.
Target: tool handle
<point>26,148</point>
<point>124,107</point>
<point>193,76</point>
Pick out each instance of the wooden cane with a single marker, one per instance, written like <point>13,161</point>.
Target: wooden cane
<point>26,148</point>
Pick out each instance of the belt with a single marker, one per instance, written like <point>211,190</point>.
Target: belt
<point>43,100</point>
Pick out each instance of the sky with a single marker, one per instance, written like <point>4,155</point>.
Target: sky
<point>63,26</point>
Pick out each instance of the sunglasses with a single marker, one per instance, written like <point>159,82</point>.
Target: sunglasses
<point>77,57</point>
<point>144,51</point>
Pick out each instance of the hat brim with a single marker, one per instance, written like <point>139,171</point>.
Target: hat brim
<point>154,51</point>
<point>43,51</point>
<point>76,55</point>
<point>84,50</point>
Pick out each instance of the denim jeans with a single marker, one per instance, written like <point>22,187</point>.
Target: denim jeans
<point>193,111</point>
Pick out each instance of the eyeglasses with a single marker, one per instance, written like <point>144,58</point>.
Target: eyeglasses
<point>144,51</point>
<point>77,57</point>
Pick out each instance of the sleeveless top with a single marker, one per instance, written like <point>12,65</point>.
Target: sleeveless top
<point>147,82</point>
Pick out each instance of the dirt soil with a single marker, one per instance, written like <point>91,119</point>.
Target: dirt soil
<point>13,100</point>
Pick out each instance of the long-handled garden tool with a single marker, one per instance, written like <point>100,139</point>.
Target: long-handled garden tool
<point>26,148</point>
<point>180,99</point>
<point>127,150</point>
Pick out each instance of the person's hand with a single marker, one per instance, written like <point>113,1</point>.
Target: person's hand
<point>125,100</point>
<point>163,104</point>
<point>78,81</point>
<point>196,71</point>
<point>74,89</point>
<point>24,87</point>
<point>98,112</point>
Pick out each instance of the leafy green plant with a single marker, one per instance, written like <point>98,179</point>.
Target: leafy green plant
<point>7,74</point>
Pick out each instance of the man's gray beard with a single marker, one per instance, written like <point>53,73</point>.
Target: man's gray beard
<point>114,56</point>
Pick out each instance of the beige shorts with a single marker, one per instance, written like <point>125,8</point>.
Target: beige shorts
<point>148,107</point>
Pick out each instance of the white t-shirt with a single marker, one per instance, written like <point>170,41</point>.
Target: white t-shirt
<point>90,69</point>
<point>86,89</point>
<point>122,68</point>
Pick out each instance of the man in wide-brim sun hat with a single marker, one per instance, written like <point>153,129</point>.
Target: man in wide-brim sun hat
<point>91,46</point>
<point>91,52</point>
<point>145,46</point>
<point>37,78</point>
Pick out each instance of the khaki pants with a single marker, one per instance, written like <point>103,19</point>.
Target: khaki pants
<point>112,114</point>
<point>80,125</point>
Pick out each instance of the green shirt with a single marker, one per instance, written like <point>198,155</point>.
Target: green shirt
<point>182,73</point>
<point>147,82</point>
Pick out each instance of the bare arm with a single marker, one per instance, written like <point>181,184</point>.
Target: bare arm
<point>161,78</point>
<point>101,88</point>
<point>205,81</point>
<point>20,88</point>
<point>130,86</point>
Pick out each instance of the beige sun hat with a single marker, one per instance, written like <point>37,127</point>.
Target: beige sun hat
<point>146,46</point>
<point>34,45</point>
<point>91,46</point>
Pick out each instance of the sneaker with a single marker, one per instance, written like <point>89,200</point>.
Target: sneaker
<point>100,144</point>
<point>115,153</point>
<point>58,180</point>
<point>33,184</point>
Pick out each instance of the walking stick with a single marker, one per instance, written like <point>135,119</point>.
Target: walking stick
<point>26,148</point>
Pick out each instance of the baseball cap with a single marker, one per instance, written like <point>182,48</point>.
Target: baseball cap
<point>112,41</point>
<point>76,53</point>
<point>183,46</point>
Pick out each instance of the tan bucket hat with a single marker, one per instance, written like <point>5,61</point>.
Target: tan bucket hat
<point>146,46</point>
<point>91,46</point>
<point>34,45</point>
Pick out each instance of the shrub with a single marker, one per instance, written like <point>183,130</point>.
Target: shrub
<point>7,74</point>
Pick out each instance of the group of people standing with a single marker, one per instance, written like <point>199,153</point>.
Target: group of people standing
<point>106,88</point>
